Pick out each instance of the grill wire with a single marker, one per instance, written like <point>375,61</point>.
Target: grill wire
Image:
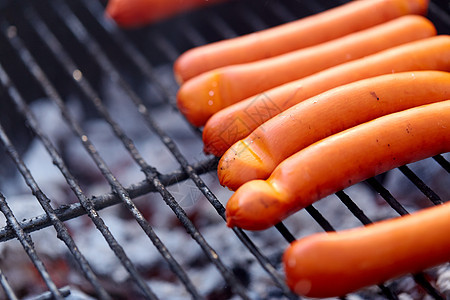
<point>84,21</point>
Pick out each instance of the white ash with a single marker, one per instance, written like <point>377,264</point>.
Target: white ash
<point>205,280</point>
<point>443,282</point>
<point>76,294</point>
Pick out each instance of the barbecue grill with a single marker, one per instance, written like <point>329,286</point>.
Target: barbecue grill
<point>105,191</point>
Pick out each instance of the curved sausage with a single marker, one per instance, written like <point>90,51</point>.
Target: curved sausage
<point>312,30</point>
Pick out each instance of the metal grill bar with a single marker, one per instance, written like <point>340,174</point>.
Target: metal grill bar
<point>39,75</point>
<point>442,162</point>
<point>131,51</point>
<point>61,229</point>
<point>387,196</point>
<point>134,54</point>
<point>426,190</point>
<point>426,285</point>
<point>220,26</point>
<point>328,227</point>
<point>95,50</point>
<point>167,48</point>
<point>387,292</point>
<point>191,34</point>
<point>288,236</point>
<point>27,245</point>
<point>356,211</point>
<point>9,293</point>
<point>251,18</point>
<point>68,212</point>
<point>319,218</point>
<point>444,16</point>
<point>65,291</point>
<point>216,203</point>
<point>281,12</point>
<point>121,40</point>
<point>419,277</point>
<point>150,172</point>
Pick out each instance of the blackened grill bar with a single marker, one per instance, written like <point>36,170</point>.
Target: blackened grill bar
<point>122,193</point>
<point>68,212</point>
<point>27,244</point>
<point>154,182</point>
<point>82,35</point>
<point>127,142</point>
<point>421,185</point>
<point>151,175</point>
<point>70,179</point>
<point>45,203</point>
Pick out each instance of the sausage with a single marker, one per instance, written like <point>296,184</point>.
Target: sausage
<point>135,13</point>
<point>312,30</point>
<point>339,161</point>
<point>202,96</point>
<point>337,263</point>
<point>256,156</point>
<point>237,121</point>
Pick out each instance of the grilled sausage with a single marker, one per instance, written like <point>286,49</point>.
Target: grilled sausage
<point>334,264</point>
<point>256,156</point>
<point>339,161</point>
<point>135,13</point>
<point>199,98</point>
<point>312,30</point>
<point>238,120</point>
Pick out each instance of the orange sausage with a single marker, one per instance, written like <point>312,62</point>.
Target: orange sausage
<point>202,96</point>
<point>339,161</point>
<point>256,156</point>
<point>237,121</point>
<point>334,264</point>
<point>135,13</point>
<point>312,30</point>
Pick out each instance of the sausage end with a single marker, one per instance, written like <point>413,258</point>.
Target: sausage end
<point>255,206</point>
<point>199,98</point>
<point>241,164</point>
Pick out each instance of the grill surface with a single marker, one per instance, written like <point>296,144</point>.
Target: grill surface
<point>67,57</point>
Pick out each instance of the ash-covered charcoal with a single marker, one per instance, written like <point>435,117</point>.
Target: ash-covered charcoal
<point>443,281</point>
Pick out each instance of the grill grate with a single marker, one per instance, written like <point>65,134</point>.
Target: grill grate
<point>39,29</point>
